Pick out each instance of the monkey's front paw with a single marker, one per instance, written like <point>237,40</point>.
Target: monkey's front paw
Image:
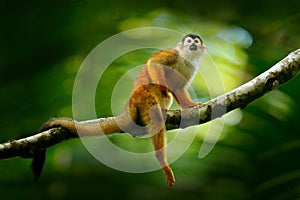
<point>191,104</point>
<point>198,104</point>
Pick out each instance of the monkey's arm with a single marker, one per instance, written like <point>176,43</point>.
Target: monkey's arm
<point>157,73</point>
<point>183,98</point>
<point>159,65</point>
<point>166,68</point>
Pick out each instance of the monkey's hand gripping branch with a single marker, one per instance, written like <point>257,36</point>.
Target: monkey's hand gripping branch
<point>240,97</point>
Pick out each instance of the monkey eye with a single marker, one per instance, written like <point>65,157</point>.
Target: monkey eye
<point>196,41</point>
<point>188,40</point>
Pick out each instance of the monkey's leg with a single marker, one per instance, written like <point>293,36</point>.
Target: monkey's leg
<point>158,141</point>
<point>158,131</point>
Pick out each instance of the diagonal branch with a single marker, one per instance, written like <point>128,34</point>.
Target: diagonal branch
<point>240,97</point>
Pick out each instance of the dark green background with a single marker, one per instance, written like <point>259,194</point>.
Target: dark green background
<point>258,158</point>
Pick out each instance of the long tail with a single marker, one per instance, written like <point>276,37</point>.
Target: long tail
<point>95,127</point>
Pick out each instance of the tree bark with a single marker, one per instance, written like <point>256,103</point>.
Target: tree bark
<point>240,97</point>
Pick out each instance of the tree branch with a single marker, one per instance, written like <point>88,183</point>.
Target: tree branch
<point>240,97</point>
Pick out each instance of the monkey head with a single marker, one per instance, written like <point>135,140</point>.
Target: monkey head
<point>191,47</point>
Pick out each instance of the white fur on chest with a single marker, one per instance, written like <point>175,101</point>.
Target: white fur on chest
<point>189,66</point>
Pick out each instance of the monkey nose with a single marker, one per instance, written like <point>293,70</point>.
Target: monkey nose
<point>193,47</point>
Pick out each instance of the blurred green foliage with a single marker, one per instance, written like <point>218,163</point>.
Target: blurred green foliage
<point>44,43</point>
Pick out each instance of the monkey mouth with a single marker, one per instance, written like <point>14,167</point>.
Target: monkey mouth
<point>193,47</point>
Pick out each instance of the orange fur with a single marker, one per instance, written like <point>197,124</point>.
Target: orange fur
<point>162,77</point>
<point>166,74</point>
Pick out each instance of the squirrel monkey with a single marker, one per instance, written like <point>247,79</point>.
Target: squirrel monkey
<point>165,75</point>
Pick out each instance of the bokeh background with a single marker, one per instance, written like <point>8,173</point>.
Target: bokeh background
<point>44,43</point>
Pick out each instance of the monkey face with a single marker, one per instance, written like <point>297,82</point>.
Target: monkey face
<point>192,42</point>
<point>191,47</point>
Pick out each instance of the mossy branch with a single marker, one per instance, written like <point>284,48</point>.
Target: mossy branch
<point>240,97</point>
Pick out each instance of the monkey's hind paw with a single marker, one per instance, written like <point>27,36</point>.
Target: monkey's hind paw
<point>169,176</point>
<point>170,181</point>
